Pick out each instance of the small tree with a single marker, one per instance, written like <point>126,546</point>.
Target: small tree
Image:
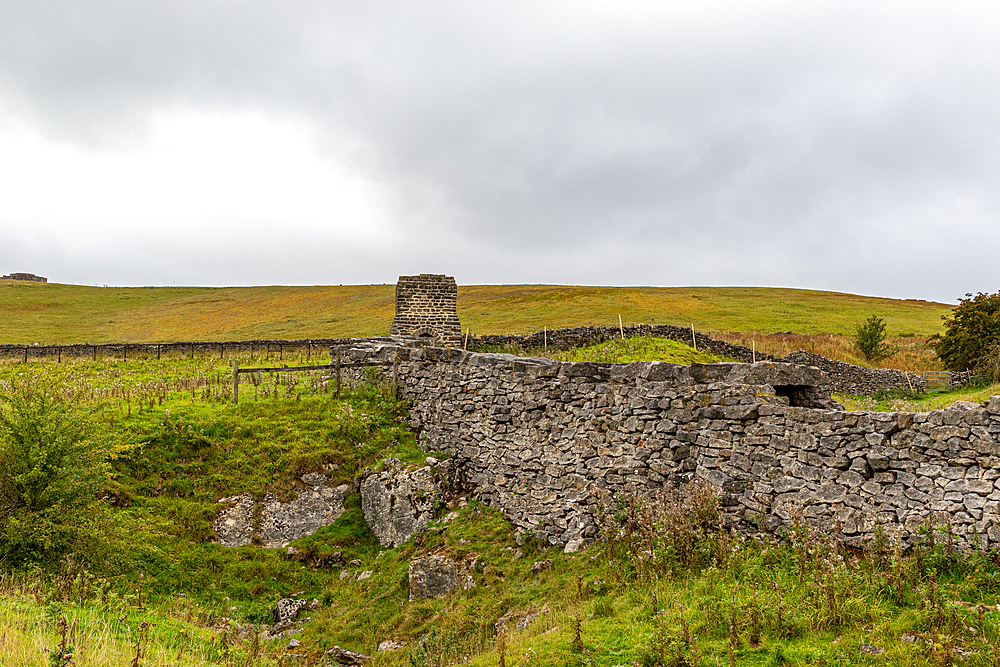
<point>52,464</point>
<point>972,329</point>
<point>869,340</point>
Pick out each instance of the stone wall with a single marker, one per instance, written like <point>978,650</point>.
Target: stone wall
<point>858,380</point>
<point>267,348</point>
<point>25,276</point>
<point>844,378</point>
<point>427,306</point>
<point>543,440</point>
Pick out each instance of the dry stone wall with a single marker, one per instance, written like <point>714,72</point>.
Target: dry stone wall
<point>845,378</point>
<point>544,441</point>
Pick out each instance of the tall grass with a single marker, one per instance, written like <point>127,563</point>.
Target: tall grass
<point>38,628</point>
<point>915,353</point>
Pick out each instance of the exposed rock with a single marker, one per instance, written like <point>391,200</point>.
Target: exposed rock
<point>531,616</point>
<point>365,575</point>
<point>287,609</point>
<point>234,524</point>
<point>294,643</point>
<point>540,565</point>
<point>285,613</point>
<point>520,619</point>
<point>398,502</point>
<point>316,506</point>
<point>436,576</point>
<point>345,657</point>
<point>389,645</point>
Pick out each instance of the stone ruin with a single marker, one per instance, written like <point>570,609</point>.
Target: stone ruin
<point>25,276</point>
<point>427,307</point>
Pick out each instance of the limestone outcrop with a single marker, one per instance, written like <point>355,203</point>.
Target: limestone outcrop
<point>436,576</point>
<point>316,505</point>
<point>399,500</point>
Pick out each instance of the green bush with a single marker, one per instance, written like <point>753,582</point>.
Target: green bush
<point>970,332</point>
<point>53,462</point>
<point>869,340</point>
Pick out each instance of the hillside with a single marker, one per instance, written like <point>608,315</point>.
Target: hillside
<point>56,313</point>
<point>147,585</point>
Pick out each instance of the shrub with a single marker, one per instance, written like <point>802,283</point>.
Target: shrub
<point>972,329</point>
<point>52,464</point>
<point>988,365</point>
<point>869,340</point>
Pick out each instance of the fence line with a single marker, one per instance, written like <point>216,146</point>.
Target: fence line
<point>334,367</point>
<point>266,347</point>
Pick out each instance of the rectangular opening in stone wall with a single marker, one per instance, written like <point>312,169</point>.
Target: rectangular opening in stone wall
<point>798,395</point>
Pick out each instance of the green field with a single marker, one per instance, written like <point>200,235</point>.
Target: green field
<point>55,313</point>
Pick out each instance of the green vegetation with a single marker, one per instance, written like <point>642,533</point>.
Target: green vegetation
<point>665,584</point>
<point>906,401</point>
<point>869,340</point>
<point>53,313</point>
<point>970,332</point>
<point>640,348</point>
<point>52,464</point>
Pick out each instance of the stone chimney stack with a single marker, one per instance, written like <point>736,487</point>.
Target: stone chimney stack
<point>427,307</point>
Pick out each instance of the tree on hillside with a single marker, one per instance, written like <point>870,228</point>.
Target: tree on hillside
<point>869,340</point>
<point>972,329</point>
<point>52,464</point>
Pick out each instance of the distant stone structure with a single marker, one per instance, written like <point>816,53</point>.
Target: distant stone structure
<point>25,276</point>
<point>427,307</point>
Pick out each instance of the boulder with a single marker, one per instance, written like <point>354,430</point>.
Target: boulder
<point>345,657</point>
<point>389,645</point>
<point>436,576</point>
<point>285,613</point>
<point>399,501</point>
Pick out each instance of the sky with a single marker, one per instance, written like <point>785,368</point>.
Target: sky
<point>844,146</point>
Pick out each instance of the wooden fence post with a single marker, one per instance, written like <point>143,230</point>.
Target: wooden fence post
<point>222,350</point>
<point>125,352</point>
<point>25,354</point>
<point>59,352</point>
<point>236,381</point>
<point>95,352</point>
<point>694,341</point>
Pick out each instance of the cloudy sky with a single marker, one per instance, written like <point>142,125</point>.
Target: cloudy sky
<point>848,146</point>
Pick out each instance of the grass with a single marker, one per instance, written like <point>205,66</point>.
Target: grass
<point>657,590</point>
<point>622,351</point>
<point>56,313</point>
<point>935,399</point>
<point>915,354</point>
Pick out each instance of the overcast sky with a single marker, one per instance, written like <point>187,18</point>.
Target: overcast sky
<point>829,145</point>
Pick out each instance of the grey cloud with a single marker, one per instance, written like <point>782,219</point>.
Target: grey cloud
<point>764,143</point>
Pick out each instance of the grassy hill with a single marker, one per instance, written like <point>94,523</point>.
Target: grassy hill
<point>55,313</point>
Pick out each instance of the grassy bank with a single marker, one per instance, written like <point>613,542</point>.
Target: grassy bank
<point>663,589</point>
